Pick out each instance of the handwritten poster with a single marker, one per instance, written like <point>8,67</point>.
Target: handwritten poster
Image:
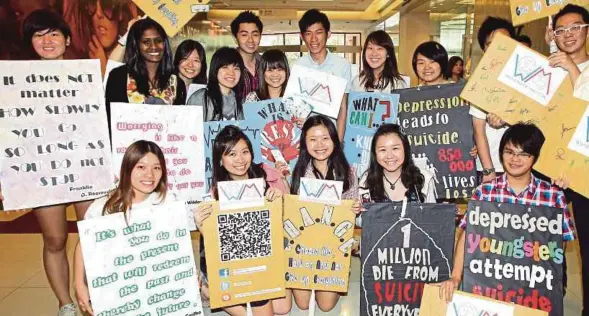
<point>53,133</point>
<point>211,129</point>
<point>401,252</point>
<point>438,126</point>
<point>524,11</point>
<point>463,305</point>
<point>244,249</point>
<point>367,111</point>
<point>315,90</point>
<point>514,253</point>
<point>172,15</point>
<point>277,130</point>
<point>580,140</point>
<point>144,265</point>
<point>558,119</point>
<point>177,130</point>
<point>319,239</point>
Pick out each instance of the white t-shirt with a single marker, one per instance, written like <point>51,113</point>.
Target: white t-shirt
<point>493,137</point>
<point>582,85</point>
<point>357,86</point>
<point>333,64</point>
<point>95,209</point>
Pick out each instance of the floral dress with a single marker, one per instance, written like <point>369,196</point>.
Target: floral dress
<point>156,96</point>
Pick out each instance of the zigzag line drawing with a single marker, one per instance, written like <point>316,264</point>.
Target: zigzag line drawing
<point>532,74</point>
<point>321,190</point>
<point>242,192</point>
<point>316,88</point>
<point>214,129</point>
<point>549,75</point>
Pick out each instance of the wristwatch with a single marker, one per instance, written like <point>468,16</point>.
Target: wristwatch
<point>488,171</point>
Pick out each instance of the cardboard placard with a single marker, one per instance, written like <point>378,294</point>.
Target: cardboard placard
<point>524,11</point>
<point>53,133</point>
<point>177,130</point>
<point>314,90</point>
<point>172,15</point>
<point>319,238</point>
<point>367,111</point>
<point>211,129</point>
<point>438,126</point>
<point>145,265</point>
<point>402,251</point>
<point>514,253</point>
<point>278,131</point>
<point>244,250</point>
<point>558,118</point>
<point>432,305</point>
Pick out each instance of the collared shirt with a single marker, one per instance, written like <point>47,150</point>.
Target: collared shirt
<point>538,193</point>
<point>251,82</point>
<point>333,64</point>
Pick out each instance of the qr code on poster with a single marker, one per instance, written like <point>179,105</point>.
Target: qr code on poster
<point>244,235</point>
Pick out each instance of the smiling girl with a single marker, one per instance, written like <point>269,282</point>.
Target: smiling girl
<point>190,63</point>
<point>430,61</point>
<point>273,77</point>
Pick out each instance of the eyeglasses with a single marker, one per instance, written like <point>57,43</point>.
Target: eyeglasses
<point>108,8</point>
<point>510,154</point>
<point>573,29</point>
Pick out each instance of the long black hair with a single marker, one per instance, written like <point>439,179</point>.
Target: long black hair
<point>134,60</point>
<point>272,59</point>
<point>338,168</point>
<point>451,63</point>
<point>224,56</point>
<point>227,138</point>
<point>390,73</point>
<point>183,51</point>
<point>411,176</point>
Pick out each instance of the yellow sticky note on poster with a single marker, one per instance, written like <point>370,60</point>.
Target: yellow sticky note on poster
<point>172,15</point>
<point>517,84</point>
<point>524,11</point>
<point>319,241</point>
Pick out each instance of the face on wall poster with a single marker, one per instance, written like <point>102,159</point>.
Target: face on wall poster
<point>439,129</point>
<point>277,130</point>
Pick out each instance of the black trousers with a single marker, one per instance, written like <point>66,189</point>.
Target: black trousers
<point>581,214</point>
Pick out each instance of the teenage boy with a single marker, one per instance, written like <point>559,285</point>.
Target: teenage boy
<point>520,149</point>
<point>315,30</point>
<point>247,29</point>
<point>487,135</point>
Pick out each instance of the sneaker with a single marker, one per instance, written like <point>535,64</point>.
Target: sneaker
<point>68,310</point>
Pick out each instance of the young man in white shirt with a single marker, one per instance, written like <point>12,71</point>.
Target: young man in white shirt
<point>315,30</point>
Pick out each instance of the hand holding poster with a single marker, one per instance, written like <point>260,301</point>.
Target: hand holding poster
<point>366,112</point>
<point>244,249</point>
<point>53,133</point>
<point>318,91</point>
<point>439,129</point>
<point>277,129</point>
<point>145,265</point>
<point>516,256</point>
<point>401,252</point>
<point>501,84</point>
<point>172,15</point>
<point>319,240</point>
<point>524,11</point>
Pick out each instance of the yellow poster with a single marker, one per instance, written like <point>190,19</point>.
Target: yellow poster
<point>171,14</point>
<point>319,240</point>
<point>244,249</point>
<point>517,84</point>
<point>524,11</point>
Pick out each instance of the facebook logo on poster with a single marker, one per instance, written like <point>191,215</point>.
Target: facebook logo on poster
<point>224,286</point>
<point>224,273</point>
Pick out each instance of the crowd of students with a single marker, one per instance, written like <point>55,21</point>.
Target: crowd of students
<point>152,74</point>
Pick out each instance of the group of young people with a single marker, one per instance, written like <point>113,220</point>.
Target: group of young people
<point>152,74</point>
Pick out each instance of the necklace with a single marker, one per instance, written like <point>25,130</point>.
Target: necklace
<point>392,183</point>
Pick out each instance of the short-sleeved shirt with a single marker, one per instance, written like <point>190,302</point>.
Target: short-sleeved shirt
<point>358,86</point>
<point>95,209</point>
<point>582,84</point>
<point>493,137</point>
<point>538,193</point>
<point>333,64</point>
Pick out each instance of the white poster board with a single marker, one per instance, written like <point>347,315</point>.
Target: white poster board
<point>580,140</point>
<point>144,266</point>
<point>178,130</point>
<point>463,305</point>
<point>53,133</point>
<point>321,92</point>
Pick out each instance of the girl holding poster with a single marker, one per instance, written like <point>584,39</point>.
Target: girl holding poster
<point>322,157</point>
<point>392,175</point>
<point>234,153</point>
<point>143,182</point>
<point>147,76</point>
<point>430,61</point>
<point>222,99</point>
<point>273,77</point>
<point>380,72</point>
<point>190,63</point>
